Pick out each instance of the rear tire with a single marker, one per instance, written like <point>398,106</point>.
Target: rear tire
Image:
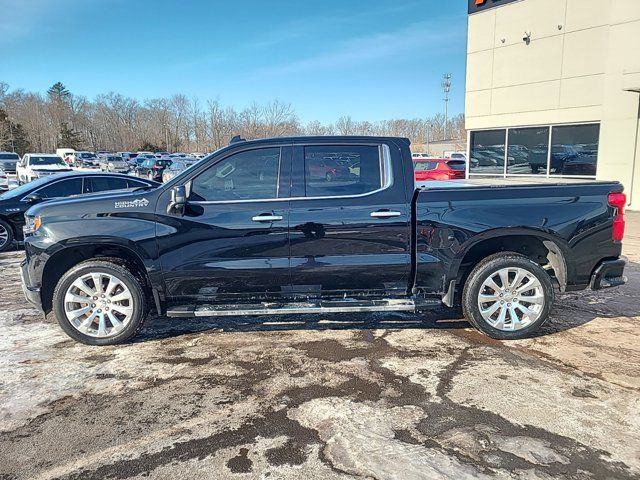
<point>507,296</point>
<point>111,314</point>
<point>6,236</point>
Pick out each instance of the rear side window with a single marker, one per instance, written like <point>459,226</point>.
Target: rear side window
<point>135,184</point>
<point>342,170</point>
<point>248,175</point>
<point>457,164</point>
<point>103,184</point>
<point>63,188</point>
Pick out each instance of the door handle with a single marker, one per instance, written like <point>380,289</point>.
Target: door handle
<point>267,218</point>
<point>385,214</point>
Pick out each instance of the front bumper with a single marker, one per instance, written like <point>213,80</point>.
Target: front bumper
<point>32,294</point>
<point>609,273</point>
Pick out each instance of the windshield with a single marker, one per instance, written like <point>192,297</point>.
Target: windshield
<point>46,161</point>
<point>24,189</point>
<point>9,156</point>
<point>86,155</point>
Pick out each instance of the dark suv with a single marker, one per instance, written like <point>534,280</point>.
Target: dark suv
<point>152,168</point>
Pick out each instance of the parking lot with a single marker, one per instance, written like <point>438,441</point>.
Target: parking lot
<point>359,396</point>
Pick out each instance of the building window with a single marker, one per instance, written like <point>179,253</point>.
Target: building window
<point>528,151</point>
<point>574,150</point>
<point>487,152</point>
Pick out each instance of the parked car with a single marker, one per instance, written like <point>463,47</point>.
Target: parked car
<point>9,161</point>
<point>127,156</point>
<point>327,169</point>
<point>177,167</point>
<point>242,234</point>
<point>36,165</point>
<point>198,155</point>
<point>113,163</point>
<point>4,180</point>
<point>439,169</point>
<point>86,159</point>
<point>67,154</point>
<point>14,203</point>
<point>151,168</point>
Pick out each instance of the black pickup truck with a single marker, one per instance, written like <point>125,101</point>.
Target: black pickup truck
<point>320,225</point>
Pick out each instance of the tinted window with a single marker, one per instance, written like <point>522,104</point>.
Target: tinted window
<point>487,152</point>
<point>574,150</point>
<point>528,148</point>
<point>135,183</point>
<point>457,164</point>
<point>341,170</point>
<point>248,175</point>
<point>63,188</point>
<point>103,184</point>
<point>9,156</point>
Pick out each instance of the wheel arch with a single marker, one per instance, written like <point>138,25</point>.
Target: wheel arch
<point>546,249</point>
<point>69,256</point>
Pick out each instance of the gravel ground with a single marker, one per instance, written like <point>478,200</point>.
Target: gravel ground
<point>359,396</point>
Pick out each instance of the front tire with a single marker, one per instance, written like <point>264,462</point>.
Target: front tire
<point>99,302</point>
<point>6,236</point>
<point>507,296</point>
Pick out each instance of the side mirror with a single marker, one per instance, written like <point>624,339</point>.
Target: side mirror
<point>33,198</point>
<point>178,200</point>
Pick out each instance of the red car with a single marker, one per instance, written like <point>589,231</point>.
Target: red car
<point>439,169</point>
<point>328,169</point>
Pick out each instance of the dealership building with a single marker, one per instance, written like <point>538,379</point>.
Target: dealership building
<point>553,90</point>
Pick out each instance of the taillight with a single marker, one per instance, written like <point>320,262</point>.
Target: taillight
<point>618,201</point>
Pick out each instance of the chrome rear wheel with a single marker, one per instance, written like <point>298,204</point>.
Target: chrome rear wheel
<point>511,299</point>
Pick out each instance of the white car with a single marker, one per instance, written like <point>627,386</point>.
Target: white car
<point>37,165</point>
<point>4,180</point>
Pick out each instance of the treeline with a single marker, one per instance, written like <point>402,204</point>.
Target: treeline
<point>42,122</point>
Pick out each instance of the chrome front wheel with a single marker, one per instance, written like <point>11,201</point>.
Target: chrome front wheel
<point>98,305</point>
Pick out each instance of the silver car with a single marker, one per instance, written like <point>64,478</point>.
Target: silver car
<point>113,163</point>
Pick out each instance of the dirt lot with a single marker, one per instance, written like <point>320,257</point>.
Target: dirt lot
<point>384,396</point>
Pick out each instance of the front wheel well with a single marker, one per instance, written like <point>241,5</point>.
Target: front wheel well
<point>67,258</point>
<point>545,253</point>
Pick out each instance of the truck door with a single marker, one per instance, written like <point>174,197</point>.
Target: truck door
<point>233,237</point>
<point>349,220</point>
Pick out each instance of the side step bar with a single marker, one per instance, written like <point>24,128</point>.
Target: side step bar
<point>275,308</point>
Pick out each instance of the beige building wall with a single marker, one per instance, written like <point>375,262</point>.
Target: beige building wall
<point>582,64</point>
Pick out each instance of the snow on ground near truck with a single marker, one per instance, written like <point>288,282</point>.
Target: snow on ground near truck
<point>346,396</point>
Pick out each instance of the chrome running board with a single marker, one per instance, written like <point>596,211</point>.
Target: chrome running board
<point>276,308</point>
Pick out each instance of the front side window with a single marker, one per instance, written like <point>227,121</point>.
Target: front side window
<point>574,150</point>
<point>342,170</point>
<point>248,175</point>
<point>528,149</point>
<point>63,188</point>
<point>487,152</point>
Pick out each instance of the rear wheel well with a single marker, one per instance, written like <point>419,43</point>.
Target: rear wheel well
<point>65,259</point>
<point>545,253</point>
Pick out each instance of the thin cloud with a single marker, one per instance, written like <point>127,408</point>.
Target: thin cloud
<point>379,46</point>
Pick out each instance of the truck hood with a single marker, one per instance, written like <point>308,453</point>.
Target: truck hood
<point>108,203</point>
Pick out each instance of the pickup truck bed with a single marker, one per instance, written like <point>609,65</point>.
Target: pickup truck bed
<point>321,224</point>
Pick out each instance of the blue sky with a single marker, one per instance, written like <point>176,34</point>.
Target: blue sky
<point>371,59</point>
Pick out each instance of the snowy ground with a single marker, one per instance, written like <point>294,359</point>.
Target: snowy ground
<point>366,396</point>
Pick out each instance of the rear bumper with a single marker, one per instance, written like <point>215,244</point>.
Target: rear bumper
<point>609,273</point>
<point>32,294</point>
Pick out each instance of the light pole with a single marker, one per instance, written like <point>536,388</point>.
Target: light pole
<point>446,88</point>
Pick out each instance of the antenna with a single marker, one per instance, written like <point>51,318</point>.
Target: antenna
<point>446,88</point>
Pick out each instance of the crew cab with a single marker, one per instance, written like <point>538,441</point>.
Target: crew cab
<point>248,230</point>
